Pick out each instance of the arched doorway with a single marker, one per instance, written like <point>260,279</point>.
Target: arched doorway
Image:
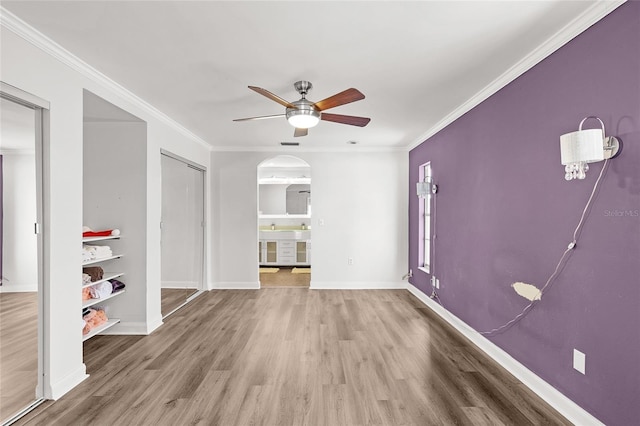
<point>284,222</point>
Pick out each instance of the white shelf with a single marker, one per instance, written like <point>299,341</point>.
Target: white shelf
<point>107,276</point>
<point>108,237</point>
<point>92,302</point>
<point>110,323</point>
<point>102,259</point>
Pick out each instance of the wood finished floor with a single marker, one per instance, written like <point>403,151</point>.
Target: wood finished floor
<point>171,298</point>
<point>291,356</point>
<point>284,278</point>
<point>18,351</point>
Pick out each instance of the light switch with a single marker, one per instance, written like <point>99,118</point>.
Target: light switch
<point>579,361</point>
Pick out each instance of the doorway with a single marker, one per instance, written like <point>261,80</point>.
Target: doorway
<point>24,121</point>
<point>284,222</point>
<point>182,231</point>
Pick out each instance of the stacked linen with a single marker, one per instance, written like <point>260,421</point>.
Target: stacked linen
<point>86,255</point>
<point>95,252</point>
<point>92,318</point>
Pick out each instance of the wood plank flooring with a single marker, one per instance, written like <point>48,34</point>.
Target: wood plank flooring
<point>171,298</point>
<point>18,351</point>
<point>292,356</point>
<point>284,278</point>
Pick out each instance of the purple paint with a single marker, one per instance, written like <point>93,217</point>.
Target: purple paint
<point>1,214</point>
<point>505,214</point>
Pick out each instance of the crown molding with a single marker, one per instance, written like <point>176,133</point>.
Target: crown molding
<point>298,149</point>
<point>589,17</point>
<point>22,29</point>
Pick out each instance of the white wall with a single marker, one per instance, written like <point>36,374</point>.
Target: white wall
<point>19,243</point>
<point>31,69</point>
<point>114,196</point>
<point>360,197</point>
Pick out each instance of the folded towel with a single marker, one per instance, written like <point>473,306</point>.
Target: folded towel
<point>86,294</point>
<point>98,252</point>
<point>98,291</point>
<point>93,318</point>
<point>117,285</point>
<point>95,272</point>
<point>88,232</point>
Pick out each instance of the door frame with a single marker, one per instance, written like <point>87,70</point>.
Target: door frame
<point>41,109</point>
<point>203,275</point>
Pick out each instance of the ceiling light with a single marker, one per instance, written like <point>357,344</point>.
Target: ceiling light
<point>304,115</point>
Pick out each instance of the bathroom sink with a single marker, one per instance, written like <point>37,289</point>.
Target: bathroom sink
<point>285,235</point>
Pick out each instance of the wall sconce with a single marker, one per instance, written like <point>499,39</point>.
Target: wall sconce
<point>424,188</point>
<point>577,149</point>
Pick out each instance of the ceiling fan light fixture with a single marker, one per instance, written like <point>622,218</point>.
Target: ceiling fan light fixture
<point>303,119</point>
<point>304,115</point>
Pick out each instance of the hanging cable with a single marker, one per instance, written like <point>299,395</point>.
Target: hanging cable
<point>561,262</point>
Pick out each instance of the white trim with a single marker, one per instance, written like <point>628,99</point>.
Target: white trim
<point>134,328</point>
<point>180,284</point>
<point>35,37</point>
<point>294,150</point>
<point>569,409</point>
<point>235,285</point>
<point>357,285</point>
<point>58,389</point>
<point>589,17</point>
<point>19,287</point>
<point>29,152</point>
<point>19,95</point>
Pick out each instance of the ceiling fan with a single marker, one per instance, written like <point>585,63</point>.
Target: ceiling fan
<point>303,114</point>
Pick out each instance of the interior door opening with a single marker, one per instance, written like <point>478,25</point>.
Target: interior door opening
<point>284,222</point>
<point>24,121</point>
<point>182,231</point>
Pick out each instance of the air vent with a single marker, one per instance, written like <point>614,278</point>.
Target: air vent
<point>290,143</point>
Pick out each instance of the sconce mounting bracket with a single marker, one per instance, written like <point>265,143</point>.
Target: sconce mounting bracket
<point>611,147</point>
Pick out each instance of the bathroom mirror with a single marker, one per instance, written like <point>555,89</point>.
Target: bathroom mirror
<point>285,199</point>
<point>284,187</point>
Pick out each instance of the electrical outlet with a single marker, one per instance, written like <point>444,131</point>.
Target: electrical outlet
<point>579,361</point>
<point>350,261</point>
<point>435,283</point>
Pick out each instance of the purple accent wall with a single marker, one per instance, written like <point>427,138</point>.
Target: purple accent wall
<point>1,214</point>
<point>506,214</point>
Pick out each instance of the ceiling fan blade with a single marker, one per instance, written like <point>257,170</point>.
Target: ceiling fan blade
<point>264,117</point>
<point>346,119</point>
<point>345,97</point>
<point>271,96</point>
<point>300,132</point>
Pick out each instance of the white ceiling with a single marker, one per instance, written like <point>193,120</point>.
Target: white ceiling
<point>416,62</point>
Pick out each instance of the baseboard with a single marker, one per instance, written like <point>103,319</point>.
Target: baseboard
<point>236,285</point>
<point>19,288</point>
<point>58,389</point>
<point>356,285</point>
<point>565,406</point>
<point>134,328</point>
<point>179,284</point>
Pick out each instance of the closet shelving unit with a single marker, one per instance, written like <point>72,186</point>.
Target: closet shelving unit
<point>106,277</point>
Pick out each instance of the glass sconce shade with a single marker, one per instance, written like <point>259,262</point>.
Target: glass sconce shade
<point>423,188</point>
